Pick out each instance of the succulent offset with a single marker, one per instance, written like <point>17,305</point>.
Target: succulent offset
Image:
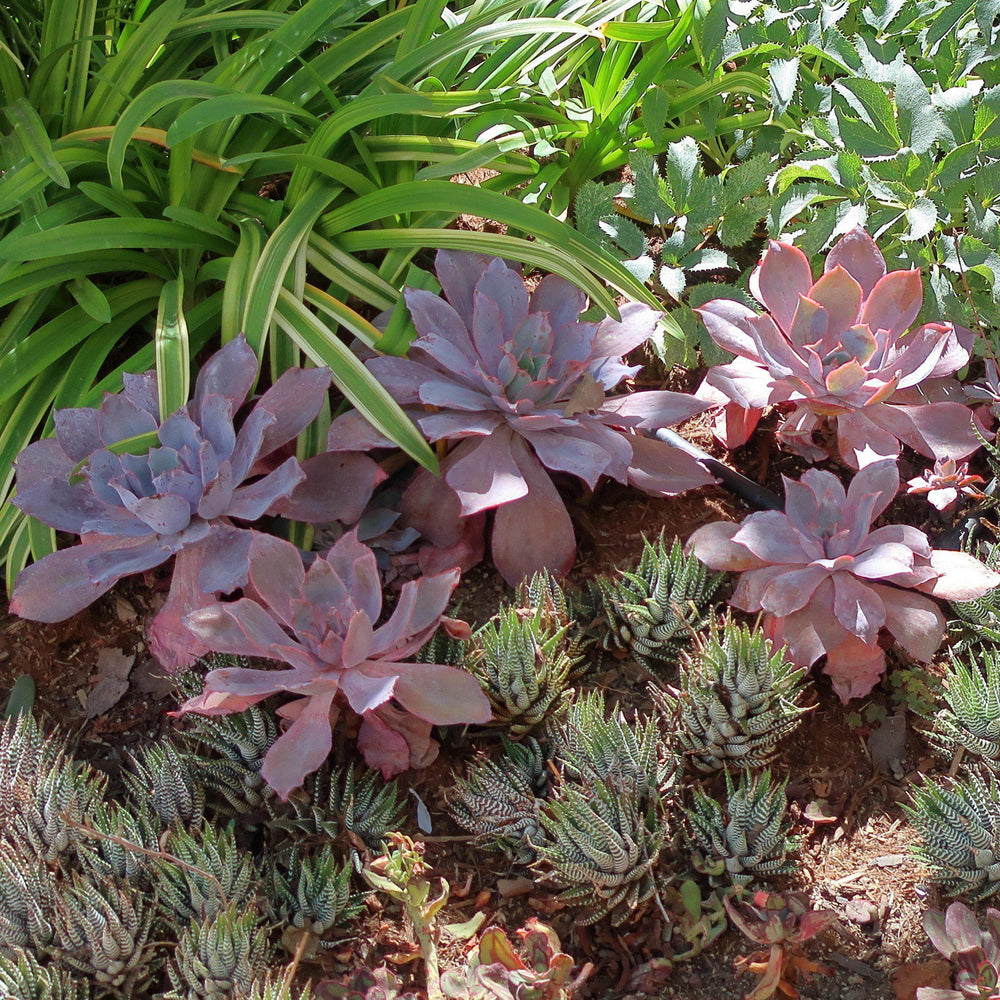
<point>322,623</point>
<point>829,583</point>
<point>517,385</point>
<point>959,824</point>
<point>653,611</point>
<point>840,351</point>
<point>973,952</point>
<point>945,483</point>
<point>738,697</point>
<point>748,836</point>
<point>188,495</point>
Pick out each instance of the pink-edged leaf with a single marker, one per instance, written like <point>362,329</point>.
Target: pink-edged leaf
<point>57,503</point>
<point>747,383</point>
<point>573,453</point>
<point>934,927</point>
<point>861,442</point>
<point>726,322</point>
<point>962,927</point>
<point>883,560</point>
<point>857,254</point>
<point>302,748</point>
<point>783,275</point>
<point>487,476</point>
<point>276,573</point>
<point>846,379</point>
<point>734,424</point>
<point>419,609</point>
<point>435,692</point>
<point>337,487</point>
<point>295,400</point>
<point>854,667</point>
<point>173,645</point>
<point>365,692</point>
<point>962,576</point>
<point>617,338</point>
<point>713,544</point>
<point>432,507</point>
<point>383,748</point>
<point>77,436</point>
<point>358,641</point>
<point>810,323</point>
<point>894,302</point>
<point>879,478</point>
<point>770,536</point>
<point>937,430</point>
<point>663,470</point>
<point>858,607</point>
<point>656,408</point>
<point>561,300</point>
<point>840,297</point>
<point>388,724</point>
<point>355,564</point>
<point>249,503</point>
<point>229,373</point>
<point>956,353</point>
<point>535,532</point>
<point>792,589</point>
<point>351,432</point>
<point>914,621</point>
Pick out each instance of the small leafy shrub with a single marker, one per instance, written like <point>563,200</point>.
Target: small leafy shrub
<point>738,697</point>
<point>518,385</point>
<point>959,824</point>
<point>746,838</point>
<point>652,612</point>
<point>840,351</point>
<point>828,583</point>
<point>973,952</point>
<point>184,495</point>
<point>321,622</point>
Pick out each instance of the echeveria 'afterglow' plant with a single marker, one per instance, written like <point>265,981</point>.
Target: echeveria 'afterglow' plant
<point>840,349</point>
<point>517,384</point>
<point>322,622</point>
<point>187,495</point>
<point>829,583</point>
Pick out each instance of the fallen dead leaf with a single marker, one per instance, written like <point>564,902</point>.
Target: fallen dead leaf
<point>907,979</point>
<point>520,886</point>
<point>113,667</point>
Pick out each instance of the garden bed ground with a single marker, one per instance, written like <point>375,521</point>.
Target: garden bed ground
<point>95,678</point>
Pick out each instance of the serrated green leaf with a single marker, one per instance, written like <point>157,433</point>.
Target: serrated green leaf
<point>739,222</point>
<point>863,139</point>
<point>681,173</point>
<point>921,218</point>
<point>783,75</point>
<point>871,105</point>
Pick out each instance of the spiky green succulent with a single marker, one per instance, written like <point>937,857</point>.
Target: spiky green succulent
<point>204,872</point>
<point>500,800</point>
<point>218,956</point>
<point>102,930</point>
<point>23,977</point>
<point>273,987</point>
<point>28,892</point>
<point>602,846</point>
<point>737,698</point>
<point>313,891</point>
<point>959,824</point>
<point>443,648</point>
<point>970,717</point>
<point>594,744</point>
<point>747,836</point>
<point>542,595</point>
<point>523,668</point>
<point>164,776</point>
<point>653,611</point>
<point>119,827</point>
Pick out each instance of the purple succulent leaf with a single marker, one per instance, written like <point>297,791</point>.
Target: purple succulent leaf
<point>962,577</point>
<point>662,470</point>
<point>230,373</point>
<point>499,305</point>
<point>58,586</point>
<point>77,432</point>
<point>321,588</point>
<point>436,693</point>
<point>119,418</point>
<point>957,351</point>
<point>143,391</point>
<point>790,590</point>
<point>782,276</point>
<point>459,425</point>
<point>431,506</point>
<point>217,497</point>
<point>857,607</point>
<point>861,442</point>
<point>357,645</point>
<point>939,430</point>
<point>777,353</point>
<point>754,589</point>
<point>839,298</point>
<point>573,453</point>
<point>437,391</point>
<point>854,667</point>
<point>459,274</point>
<point>303,747</point>
<point>914,621</point>
<point>249,443</point>
<point>857,254</point>
<point>222,562</point>
<point>444,338</point>
<point>488,476</point>
<point>111,564</point>
<point>58,504</point>
<point>351,432</point>
<point>747,383</point>
<point>534,532</point>
<point>728,324</point>
<point>294,400</point>
<point>417,613</point>
<point>653,409</point>
<point>356,565</point>
<point>392,741</point>
<point>713,544</point>
<point>912,538</point>
<point>769,536</point>
<point>934,927</point>
<point>166,515</point>
<point>935,993</point>
<point>560,300</point>
<point>252,502</point>
<point>884,561</point>
<point>337,487</point>
<point>962,928</point>
<point>365,693</point>
<point>880,479</point>
<point>894,303</point>
<point>216,425</point>
<point>615,338</point>
<point>41,460</point>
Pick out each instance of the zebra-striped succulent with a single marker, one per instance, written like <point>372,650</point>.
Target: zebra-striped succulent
<point>23,977</point>
<point>27,895</point>
<point>970,718</point>
<point>653,611</point>
<point>239,743</point>
<point>117,826</point>
<point>523,668</point>
<point>210,872</point>
<point>594,744</point>
<point>313,891</point>
<point>748,836</point>
<point>165,777</point>
<point>603,843</point>
<point>500,800</point>
<point>542,595</point>
<point>959,824</point>
<point>737,698</point>
<point>273,986</point>
<point>102,930</point>
<point>978,621</point>
<point>218,956</point>
<point>443,648</point>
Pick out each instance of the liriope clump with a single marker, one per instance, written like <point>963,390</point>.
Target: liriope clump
<point>523,668</point>
<point>500,800</point>
<point>970,718</point>
<point>747,837</point>
<point>737,697</point>
<point>653,611</point>
<point>959,824</point>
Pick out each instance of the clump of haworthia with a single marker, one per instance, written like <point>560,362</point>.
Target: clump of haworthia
<point>840,351</point>
<point>516,385</point>
<point>321,621</point>
<point>188,495</point>
<point>829,583</point>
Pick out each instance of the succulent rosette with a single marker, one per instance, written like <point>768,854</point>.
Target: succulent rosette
<point>188,496</point>
<point>829,583</point>
<point>945,483</point>
<point>517,384</point>
<point>973,952</point>
<point>840,350</point>
<point>322,623</point>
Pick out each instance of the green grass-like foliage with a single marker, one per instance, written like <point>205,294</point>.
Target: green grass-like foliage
<point>653,610</point>
<point>523,668</point>
<point>747,836</point>
<point>959,824</point>
<point>970,717</point>
<point>738,697</point>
